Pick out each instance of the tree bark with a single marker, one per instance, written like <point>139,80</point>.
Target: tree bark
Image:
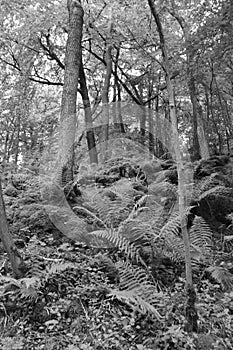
<point>191,314</point>
<point>90,135</point>
<point>117,115</point>
<point>55,202</point>
<point>199,148</point>
<point>151,123</point>
<point>7,240</point>
<point>68,118</point>
<point>105,92</point>
<point>192,91</point>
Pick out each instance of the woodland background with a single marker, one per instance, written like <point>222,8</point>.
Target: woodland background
<point>118,235</point>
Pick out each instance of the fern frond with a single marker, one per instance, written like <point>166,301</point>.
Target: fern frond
<point>217,191</point>
<point>201,237</point>
<point>24,287</point>
<point>111,212</point>
<point>137,289</point>
<point>163,189</point>
<point>29,287</point>
<point>172,227</point>
<point>206,184</point>
<point>114,239</point>
<point>132,277</point>
<point>138,207</point>
<point>136,231</point>
<point>136,302</point>
<point>57,268</point>
<point>84,210</point>
<point>222,275</point>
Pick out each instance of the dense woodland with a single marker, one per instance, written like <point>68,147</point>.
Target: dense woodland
<point>116,174</point>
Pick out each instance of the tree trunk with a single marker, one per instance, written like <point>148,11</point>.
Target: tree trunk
<point>105,102</point>
<point>7,241</point>
<point>191,314</point>
<point>68,118</point>
<point>192,91</point>
<point>197,143</point>
<point>150,122</point>
<point>204,147</point>
<point>90,135</point>
<point>118,103</point>
<point>117,115</point>
<point>55,202</point>
<point>105,97</point>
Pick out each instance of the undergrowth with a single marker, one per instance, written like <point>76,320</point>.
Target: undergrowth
<point>129,292</point>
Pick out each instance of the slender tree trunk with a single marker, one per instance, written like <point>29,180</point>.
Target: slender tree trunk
<point>192,91</point>
<point>68,118</point>
<point>105,93</point>
<point>5,152</point>
<point>151,123</point>
<point>118,105</point>
<point>199,148</point>
<point>215,123</point>
<point>191,314</point>
<point>117,115</point>
<point>223,113</point>
<point>114,100</point>
<point>16,141</point>
<point>7,240</point>
<point>204,147</point>
<point>90,135</point>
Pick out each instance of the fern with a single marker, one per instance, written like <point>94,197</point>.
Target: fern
<point>172,227</point>
<point>57,268</point>
<point>136,302</point>
<point>29,286</point>
<point>137,232</point>
<point>132,277</point>
<point>24,287</point>
<point>216,192</point>
<point>207,184</point>
<point>116,240</point>
<point>163,190</point>
<point>222,275</point>
<point>136,290</point>
<point>200,240</point>
<point>111,206</point>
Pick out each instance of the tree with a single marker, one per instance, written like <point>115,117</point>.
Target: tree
<point>200,146</point>
<point>105,92</point>
<point>7,241</point>
<point>68,118</point>
<point>191,314</point>
<point>90,135</point>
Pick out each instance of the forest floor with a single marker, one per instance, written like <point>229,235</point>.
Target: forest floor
<point>70,297</point>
